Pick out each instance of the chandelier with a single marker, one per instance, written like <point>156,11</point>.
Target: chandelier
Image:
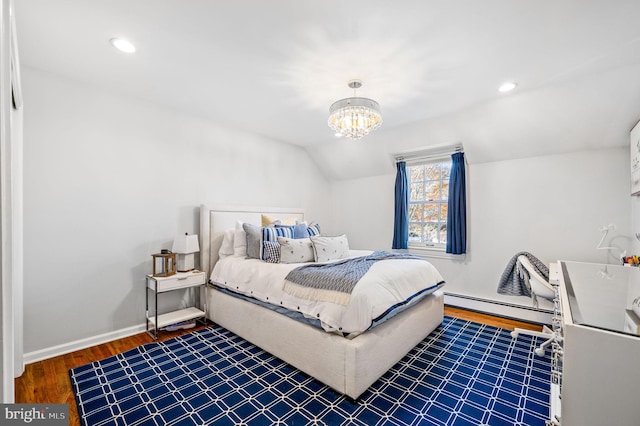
<point>354,117</point>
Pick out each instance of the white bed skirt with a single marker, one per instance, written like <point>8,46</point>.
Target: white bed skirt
<point>348,366</point>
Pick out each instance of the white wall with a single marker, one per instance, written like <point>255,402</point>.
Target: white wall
<point>109,181</point>
<point>363,210</point>
<point>551,206</point>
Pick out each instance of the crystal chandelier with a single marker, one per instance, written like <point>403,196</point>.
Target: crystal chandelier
<point>354,117</point>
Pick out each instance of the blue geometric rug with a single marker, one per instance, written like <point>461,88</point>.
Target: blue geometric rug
<point>462,374</point>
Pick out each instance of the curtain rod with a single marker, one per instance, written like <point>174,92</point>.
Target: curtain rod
<point>426,154</point>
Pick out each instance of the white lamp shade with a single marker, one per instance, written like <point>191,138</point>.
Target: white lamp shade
<point>185,244</point>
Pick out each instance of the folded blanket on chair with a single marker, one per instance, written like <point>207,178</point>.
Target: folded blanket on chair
<point>515,279</point>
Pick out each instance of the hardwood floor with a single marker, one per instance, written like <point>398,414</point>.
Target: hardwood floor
<point>48,381</point>
<point>500,322</point>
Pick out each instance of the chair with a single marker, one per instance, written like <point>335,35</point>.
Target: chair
<point>540,287</point>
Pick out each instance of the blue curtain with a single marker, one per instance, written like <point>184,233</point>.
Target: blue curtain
<point>401,221</point>
<point>457,213</point>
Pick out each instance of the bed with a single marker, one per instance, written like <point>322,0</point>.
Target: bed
<point>348,365</point>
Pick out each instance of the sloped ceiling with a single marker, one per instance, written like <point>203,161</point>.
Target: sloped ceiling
<point>594,112</point>
<point>274,67</point>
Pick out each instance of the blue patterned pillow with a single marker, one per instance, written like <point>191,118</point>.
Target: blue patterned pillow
<point>313,230</point>
<point>271,252</point>
<point>271,234</point>
<point>299,230</point>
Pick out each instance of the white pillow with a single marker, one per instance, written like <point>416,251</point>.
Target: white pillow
<point>295,250</point>
<point>226,248</point>
<point>239,241</point>
<point>330,248</point>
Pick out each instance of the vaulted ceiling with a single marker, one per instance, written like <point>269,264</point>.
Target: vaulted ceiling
<point>274,67</point>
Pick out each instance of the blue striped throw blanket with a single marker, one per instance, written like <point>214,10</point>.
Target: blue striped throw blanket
<point>334,282</point>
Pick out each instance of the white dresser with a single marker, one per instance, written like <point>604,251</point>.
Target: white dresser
<point>596,362</point>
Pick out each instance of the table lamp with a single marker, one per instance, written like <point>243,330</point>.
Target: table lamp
<point>184,246</point>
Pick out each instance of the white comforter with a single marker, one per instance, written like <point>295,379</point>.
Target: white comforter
<point>387,283</point>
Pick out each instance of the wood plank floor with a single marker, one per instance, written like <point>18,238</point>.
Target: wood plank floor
<point>48,381</point>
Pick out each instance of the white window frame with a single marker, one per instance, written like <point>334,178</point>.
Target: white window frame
<point>438,246</point>
<point>437,154</point>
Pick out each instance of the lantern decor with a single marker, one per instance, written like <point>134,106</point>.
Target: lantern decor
<point>164,263</point>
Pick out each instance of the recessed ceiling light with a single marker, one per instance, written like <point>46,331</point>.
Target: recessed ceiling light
<point>123,45</point>
<point>507,87</point>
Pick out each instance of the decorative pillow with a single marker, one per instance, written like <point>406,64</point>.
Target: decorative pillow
<point>266,221</point>
<point>271,252</point>
<point>254,241</point>
<point>257,235</point>
<point>313,230</point>
<point>239,241</point>
<point>330,248</point>
<point>226,248</point>
<point>295,250</point>
<point>271,233</point>
<point>298,230</point>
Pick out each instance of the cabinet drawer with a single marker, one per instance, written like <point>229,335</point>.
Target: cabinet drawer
<point>180,280</point>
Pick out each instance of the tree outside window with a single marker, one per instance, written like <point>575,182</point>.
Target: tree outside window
<point>428,196</point>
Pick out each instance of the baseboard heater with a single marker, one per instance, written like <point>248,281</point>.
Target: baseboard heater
<point>499,308</point>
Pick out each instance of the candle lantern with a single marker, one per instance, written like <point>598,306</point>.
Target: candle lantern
<point>164,264</point>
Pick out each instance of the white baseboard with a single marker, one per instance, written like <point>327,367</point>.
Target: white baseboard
<point>522,313</point>
<point>518,312</point>
<point>66,348</point>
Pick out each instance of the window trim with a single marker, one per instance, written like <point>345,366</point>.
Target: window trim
<point>435,253</point>
<point>434,152</point>
<point>419,161</point>
<point>425,155</point>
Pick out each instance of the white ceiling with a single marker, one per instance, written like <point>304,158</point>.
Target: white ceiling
<point>274,67</point>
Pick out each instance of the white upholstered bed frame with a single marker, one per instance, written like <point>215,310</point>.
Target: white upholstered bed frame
<point>348,366</point>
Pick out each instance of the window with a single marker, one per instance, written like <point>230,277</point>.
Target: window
<point>428,197</point>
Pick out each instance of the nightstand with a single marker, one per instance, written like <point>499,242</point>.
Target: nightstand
<point>181,280</point>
